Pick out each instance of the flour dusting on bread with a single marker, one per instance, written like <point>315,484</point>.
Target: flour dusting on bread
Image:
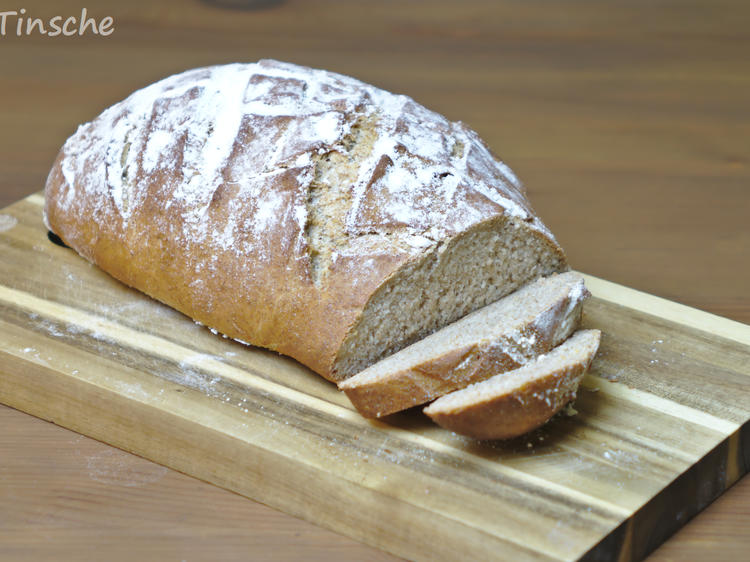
<point>238,125</point>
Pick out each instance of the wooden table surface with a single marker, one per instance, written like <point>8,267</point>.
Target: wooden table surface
<point>628,121</point>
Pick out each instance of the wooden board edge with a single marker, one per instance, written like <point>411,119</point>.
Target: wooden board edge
<point>669,310</point>
<point>655,521</point>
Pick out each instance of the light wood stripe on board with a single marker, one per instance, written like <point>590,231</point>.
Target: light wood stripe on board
<point>659,404</point>
<point>36,199</point>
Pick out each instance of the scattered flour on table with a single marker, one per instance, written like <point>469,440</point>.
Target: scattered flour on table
<point>123,469</point>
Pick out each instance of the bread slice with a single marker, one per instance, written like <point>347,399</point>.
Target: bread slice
<point>494,339</point>
<point>298,210</point>
<point>510,404</point>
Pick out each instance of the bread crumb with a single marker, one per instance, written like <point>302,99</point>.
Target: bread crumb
<point>569,410</point>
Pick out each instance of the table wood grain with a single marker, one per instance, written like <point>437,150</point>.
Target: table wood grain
<point>627,121</point>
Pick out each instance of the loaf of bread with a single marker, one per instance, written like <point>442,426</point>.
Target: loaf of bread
<point>298,210</point>
<point>511,404</point>
<point>492,340</point>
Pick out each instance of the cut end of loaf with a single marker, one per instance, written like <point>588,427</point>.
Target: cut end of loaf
<point>513,403</point>
<point>455,278</point>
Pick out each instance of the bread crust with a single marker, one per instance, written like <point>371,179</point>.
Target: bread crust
<point>201,191</point>
<point>514,412</point>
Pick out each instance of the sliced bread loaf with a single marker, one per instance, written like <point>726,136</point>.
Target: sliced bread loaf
<point>510,404</point>
<point>298,210</point>
<point>494,339</point>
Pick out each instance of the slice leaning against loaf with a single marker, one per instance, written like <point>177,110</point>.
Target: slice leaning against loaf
<point>510,404</point>
<point>494,339</point>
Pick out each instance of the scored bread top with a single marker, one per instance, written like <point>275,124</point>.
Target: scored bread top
<point>248,126</point>
<point>259,198</point>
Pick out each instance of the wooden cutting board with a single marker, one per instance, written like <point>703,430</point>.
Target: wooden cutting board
<point>661,429</point>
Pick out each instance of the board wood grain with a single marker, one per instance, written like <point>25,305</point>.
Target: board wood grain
<point>661,429</point>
